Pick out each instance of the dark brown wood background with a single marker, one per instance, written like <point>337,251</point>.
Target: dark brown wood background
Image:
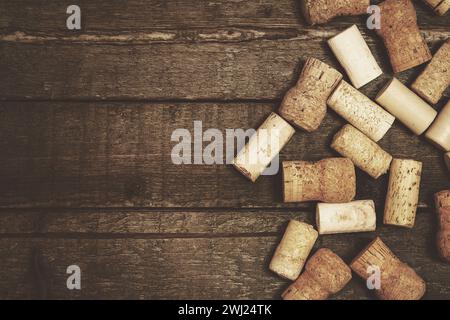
<point>85,171</point>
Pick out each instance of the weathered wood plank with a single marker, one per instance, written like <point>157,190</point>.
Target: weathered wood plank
<point>163,223</point>
<point>186,267</point>
<point>255,70</point>
<point>158,223</point>
<point>135,15</point>
<point>119,154</point>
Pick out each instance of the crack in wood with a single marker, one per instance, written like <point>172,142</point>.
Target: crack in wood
<point>234,35</point>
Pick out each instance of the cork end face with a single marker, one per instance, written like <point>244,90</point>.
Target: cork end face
<point>385,88</point>
<point>374,74</point>
<point>398,68</point>
<point>279,268</point>
<point>334,97</point>
<point>442,199</point>
<point>427,95</point>
<point>345,33</point>
<point>304,228</point>
<point>442,8</point>
<point>329,270</point>
<point>342,137</point>
<point>243,171</point>
<point>346,129</point>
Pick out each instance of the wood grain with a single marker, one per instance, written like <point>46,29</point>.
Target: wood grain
<point>136,15</point>
<point>161,223</point>
<point>90,182</point>
<point>197,263</point>
<point>255,70</point>
<point>119,155</point>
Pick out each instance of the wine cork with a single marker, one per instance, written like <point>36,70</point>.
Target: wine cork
<point>439,132</point>
<point>406,106</point>
<point>325,274</point>
<point>321,11</point>
<point>443,235</point>
<point>360,111</point>
<point>263,147</point>
<point>398,280</point>
<point>442,200</point>
<point>403,193</point>
<point>440,7</point>
<point>354,55</point>
<point>401,35</point>
<point>435,79</point>
<point>365,154</point>
<point>355,216</point>
<point>305,104</point>
<point>328,180</point>
<point>293,250</point>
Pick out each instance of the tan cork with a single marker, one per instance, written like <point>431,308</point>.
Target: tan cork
<point>401,35</point>
<point>355,216</point>
<point>440,7</point>
<point>321,11</point>
<point>442,201</point>
<point>406,106</point>
<point>263,147</point>
<point>435,79</point>
<point>328,180</point>
<point>325,274</point>
<point>403,193</point>
<point>305,104</point>
<point>398,280</point>
<point>365,154</point>
<point>293,249</point>
<point>439,132</point>
<point>355,56</point>
<point>360,111</point>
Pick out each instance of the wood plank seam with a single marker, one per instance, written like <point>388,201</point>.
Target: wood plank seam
<point>143,236</point>
<point>195,36</point>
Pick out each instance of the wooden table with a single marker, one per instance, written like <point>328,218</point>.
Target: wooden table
<point>86,176</point>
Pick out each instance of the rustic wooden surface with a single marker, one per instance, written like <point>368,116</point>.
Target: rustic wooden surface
<point>85,170</point>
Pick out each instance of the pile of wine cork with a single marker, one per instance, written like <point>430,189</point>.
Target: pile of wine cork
<point>332,182</point>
